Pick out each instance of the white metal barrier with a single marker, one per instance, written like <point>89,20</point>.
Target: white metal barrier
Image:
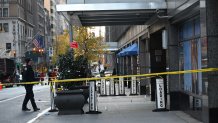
<point>133,90</point>
<point>121,87</point>
<point>103,91</point>
<point>93,102</point>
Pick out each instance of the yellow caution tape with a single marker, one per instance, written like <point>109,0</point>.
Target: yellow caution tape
<point>140,75</point>
<point>20,83</point>
<point>126,76</point>
<point>25,83</point>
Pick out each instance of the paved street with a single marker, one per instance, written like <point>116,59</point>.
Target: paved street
<point>122,109</point>
<point>11,101</point>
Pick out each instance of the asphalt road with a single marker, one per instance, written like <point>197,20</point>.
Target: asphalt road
<point>11,102</point>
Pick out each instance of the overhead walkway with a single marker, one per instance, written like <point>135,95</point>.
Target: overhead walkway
<point>112,12</point>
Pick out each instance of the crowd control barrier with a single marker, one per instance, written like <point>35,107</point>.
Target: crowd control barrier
<point>160,96</point>
<point>52,95</point>
<point>133,90</point>
<point>121,87</point>
<point>112,87</point>
<point>93,107</point>
<point>103,88</point>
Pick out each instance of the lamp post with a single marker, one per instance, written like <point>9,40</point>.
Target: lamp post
<point>14,45</point>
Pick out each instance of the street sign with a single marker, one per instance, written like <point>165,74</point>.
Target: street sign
<point>50,51</point>
<point>73,44</point>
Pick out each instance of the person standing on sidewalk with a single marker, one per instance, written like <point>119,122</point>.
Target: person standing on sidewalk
<point>28,76</point>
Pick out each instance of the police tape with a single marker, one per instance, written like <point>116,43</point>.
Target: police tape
<point>25,83</point>
<point>20,83</point>
<point>114,77</point>
<point>139,75</point>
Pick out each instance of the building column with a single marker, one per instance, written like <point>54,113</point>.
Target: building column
<point>134,65</point>
<point>173,61</point>
<point>212,37</point>
<point>129,71</point>
<point>142,64</point>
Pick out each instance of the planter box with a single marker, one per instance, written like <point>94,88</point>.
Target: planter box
<point>70,102</point>
<point>85,91</point>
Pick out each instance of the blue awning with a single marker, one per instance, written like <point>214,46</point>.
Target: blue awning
<point>131,50</point>
<point>122,52</point>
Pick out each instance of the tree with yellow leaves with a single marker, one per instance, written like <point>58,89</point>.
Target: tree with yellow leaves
<point>61,45</point>
<point>89,46</point>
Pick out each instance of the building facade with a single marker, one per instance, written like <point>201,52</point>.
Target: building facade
<point>191,30</point>
<point>16,18</point>
<point>58,22</point>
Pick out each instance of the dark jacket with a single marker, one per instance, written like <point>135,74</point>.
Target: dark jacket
<point>28,74</point>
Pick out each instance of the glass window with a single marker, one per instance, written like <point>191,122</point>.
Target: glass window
<point>197,27</point>
<point>51,10</point>
<point>0,12</point>
<point>191,55</point>
<point>6,28</point>
<point>1,28</point>
<point>18,29</point>
<point>5,12</point>
<point>187,66</point>
<point>5,1</point>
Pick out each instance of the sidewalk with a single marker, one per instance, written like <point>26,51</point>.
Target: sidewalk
<point>121,109</point>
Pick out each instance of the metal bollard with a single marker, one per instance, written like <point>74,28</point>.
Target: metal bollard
<point>52,95</point>
<point>112,87</point>
<point>121,87</point>
<point>103,91</point>
<point>133,90</point>
<point>93,107</point>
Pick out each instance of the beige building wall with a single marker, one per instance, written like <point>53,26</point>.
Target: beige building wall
<point>47,5</point>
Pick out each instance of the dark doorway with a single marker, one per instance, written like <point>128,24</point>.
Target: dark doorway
<point>157,60</point>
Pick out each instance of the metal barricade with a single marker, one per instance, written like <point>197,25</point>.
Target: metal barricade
<point>93,107</point>
<point>121,87</point>
<point>112,87</point>
<point>133,90</point>
<point>52,95</point>
<point>103,90</point>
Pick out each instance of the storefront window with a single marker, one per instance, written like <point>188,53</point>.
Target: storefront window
<point>190,56</point>
<point>193,55</point>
